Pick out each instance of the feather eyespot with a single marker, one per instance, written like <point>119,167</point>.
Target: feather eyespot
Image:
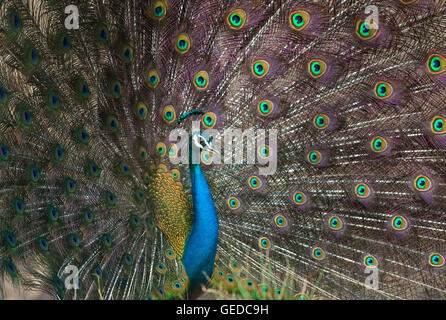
<point>88,216</point>
<point>70,185</point>
<point>176,174</point>
<point>102,34</point>
<point>317,68</point>
<point>159,10</point>
<point>116,89</point>
<point>318,253</point>
<point>110,199</point>
<point>335,223</point>
<point>161,268</point>
<point>15,22</point>
<point>436,260</point>
<point>265,107</point>
<point>383,90</point>
<point>300,297</point>
<point>264,243</point>
<point>209,119</point>
<point>362,190</point>
<point>111,123</point>
<point>314,157</point>
<point>161,148</point>
<point>142,153</point>
<point>141,111</point>
<point>152,79</point>
<point>321,121</point>
<point>399,223</point>
<point>170,254</point>
<point>173,150</point>
<point>236,19</point>
<point>299,198</point>
<point>169,114</point>
<point>438,125</point>
<point>93,169</point>
<point>280,221</point>
<point>18,206</point>
<point>201,80</point>
<point>4,153</point>
<point>53,214</point>
<point>126,52</point>
<point>107,241</point>
<point>182,43</point>
<point>366,30</point>
<point>42,244</point>
<point>206,157</point>
<point>127,260</point>
<point>255,182</point>
<point>436,64</point>
<point>378,144</point>
<point>300,19</point>
<point>422,183</point>
<point>264,151</point>
<point>233,203</point>
<point>33,174</point>
<point>370,261</point>
<point>26,117</point>
<point>3,95</point>
<point>260,68</point>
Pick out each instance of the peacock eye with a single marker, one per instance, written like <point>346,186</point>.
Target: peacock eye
<point>370,261</point>
<point>209,119</point>
<point>317,68</point>
<point>365,30</point>
<point>173,150</point>
<point>335,223</point>
<point>362,190</point>
<point>34,175</point>
<point>153,79</point>
<point>206,157</point>
<point>264,243</point>
<point>300,297</point>
<point>15,21</point>
<point>169,114</point>
<point>265,107</point>
<point>176,174</point>
<point>321,121</point>
<point>436,64</point>
<point>161,148</point>
<point>436,260</point>
<point>254,182</point>
<point>4,153</point>
<point>264,151</point>
<point>438,125</point>
<point>383,90</point>
<point>318,253</point>
<point>102,33</point>
<point>236,19</point>
<point>280,221</point>
<point>182,44</point>
<point>300,19</point>
<point>142,153</point>
<point>159,10</point>
<point>399,223</point>
<point>116,89</point>
<point>299,198</point>
<point>141,111</point>
<point>260,68</point>
<point>422,183</point>
<point>126,53</point>
<point>233,203</point>
<point>201,80</point>
<point>314,157</point>
<point>111,123</point>
<point>378,144</point>
<point>160,268</point>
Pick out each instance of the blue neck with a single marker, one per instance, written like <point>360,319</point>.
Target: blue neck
<point>201,244</point>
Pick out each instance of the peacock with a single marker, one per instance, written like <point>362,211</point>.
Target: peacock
<point>275,149</point>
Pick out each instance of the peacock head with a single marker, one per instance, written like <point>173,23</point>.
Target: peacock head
<point>198,142</point>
